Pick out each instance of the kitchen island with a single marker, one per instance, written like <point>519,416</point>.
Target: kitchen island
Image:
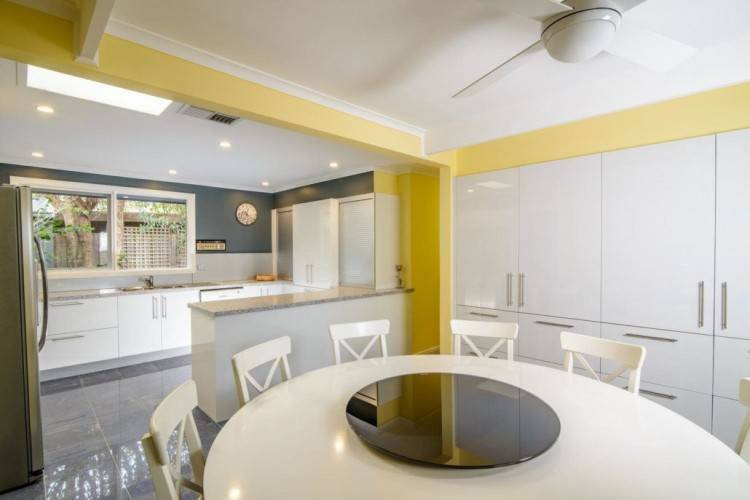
<point>222,328</point>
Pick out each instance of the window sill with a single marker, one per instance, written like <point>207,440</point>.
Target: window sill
<point>60,274</point>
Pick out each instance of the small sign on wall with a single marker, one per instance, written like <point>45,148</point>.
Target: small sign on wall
<point>211,245</point>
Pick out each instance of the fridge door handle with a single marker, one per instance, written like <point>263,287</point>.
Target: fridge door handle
<point>45,292</point>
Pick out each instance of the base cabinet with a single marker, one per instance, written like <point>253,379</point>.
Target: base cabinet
<point>76,348</point>
<point>731,363</point>
<point>539,337</point>
<point>482,314</point>
<point>727,421</point>
<point>139,323</point>
<point>175,318</point>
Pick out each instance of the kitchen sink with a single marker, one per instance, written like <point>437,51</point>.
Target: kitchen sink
<point>166,287</point>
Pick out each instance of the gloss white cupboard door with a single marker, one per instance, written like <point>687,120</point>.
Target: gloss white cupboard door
<point>486,239</point>
<point>658,236</point>
<point>560,238</point>
<point>175,315</point>
<point>732,318</point>
<point>315,246</point>
<point>139,324</point>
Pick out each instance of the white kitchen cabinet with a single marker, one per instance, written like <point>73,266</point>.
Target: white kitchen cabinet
<point>249,291</point>
<point>226,293</point>
<point>694,406</point>
<point>673,359</point>
<point>658,236</point>
<point>560,238</point>
<point>732,318</point>
<point>81,315</point>
<point>486,236</point>
<point>728,415</point>
<point>539,337</point>
<point>483,343</point>
<point>315,245</point>
<point>75,348</point>
<point>139,323</point>
<point>731,363</point>
<point>175,318</point>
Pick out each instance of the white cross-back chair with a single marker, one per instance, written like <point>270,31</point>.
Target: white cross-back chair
<point>463,330</point>
<point>743,442</point>
<point>174,412</point>
<point>342,332</point>
<point>629,356</point>
<point>275,350</point>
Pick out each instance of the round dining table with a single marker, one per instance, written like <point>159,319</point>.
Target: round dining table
<point>294,442</point>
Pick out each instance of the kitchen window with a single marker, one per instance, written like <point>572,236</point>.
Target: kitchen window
<point>89,230</point>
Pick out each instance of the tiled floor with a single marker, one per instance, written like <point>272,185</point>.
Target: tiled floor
<point>92,426</point>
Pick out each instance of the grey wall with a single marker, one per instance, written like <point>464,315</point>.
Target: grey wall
<point>336,188</point>
<point>214,207</point>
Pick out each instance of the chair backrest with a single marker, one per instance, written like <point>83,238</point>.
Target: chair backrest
<point>629,356</point>
<point>175,412</point>
<point>342,332</point>
<point>275,350</point>
<point>464,329</point>
<point>743,441</point>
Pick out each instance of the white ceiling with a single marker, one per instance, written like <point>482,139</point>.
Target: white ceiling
<point>405,58</point>
<point>90,137</point>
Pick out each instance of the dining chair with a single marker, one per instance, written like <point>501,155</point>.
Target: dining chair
<point>243,362</point>
<point>343,332</point>
<point>175,412</point>
<point>743,442</point>
<point>464,329</point>
<point>630,356</point>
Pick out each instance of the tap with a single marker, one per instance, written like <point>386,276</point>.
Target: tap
<point>149,281</point>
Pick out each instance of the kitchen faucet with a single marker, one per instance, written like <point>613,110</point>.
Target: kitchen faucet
<point>149,281</point>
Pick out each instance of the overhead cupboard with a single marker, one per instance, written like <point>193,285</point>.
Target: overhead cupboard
<point>646,245</point>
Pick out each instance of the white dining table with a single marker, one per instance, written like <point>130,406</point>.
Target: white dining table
<point>294,442</point>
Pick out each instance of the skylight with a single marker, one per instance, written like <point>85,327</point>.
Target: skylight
<point>73,86</point>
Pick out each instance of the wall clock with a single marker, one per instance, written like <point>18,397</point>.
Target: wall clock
<point>246,214</point>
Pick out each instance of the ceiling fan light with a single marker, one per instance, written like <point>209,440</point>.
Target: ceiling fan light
<point>580,35</point>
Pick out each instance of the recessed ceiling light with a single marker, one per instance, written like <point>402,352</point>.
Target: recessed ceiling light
<point>37,154</point>
<point>73,86</point>
<point>333,164</point>
<point>225,144</point>
<point>469,190</point>
<point>172,171</point>
<point>43,108</point>
<point>265,183</point>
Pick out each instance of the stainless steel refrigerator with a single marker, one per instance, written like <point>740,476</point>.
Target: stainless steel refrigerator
<point>23,329</point>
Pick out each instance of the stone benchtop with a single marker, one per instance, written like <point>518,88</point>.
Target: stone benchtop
<point>256,304</point>
<point>97,293</point>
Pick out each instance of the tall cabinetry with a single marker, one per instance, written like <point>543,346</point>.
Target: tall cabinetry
<point>315,247</point>
<point>658,241</point>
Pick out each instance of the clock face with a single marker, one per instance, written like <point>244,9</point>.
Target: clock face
<point>246,214</point>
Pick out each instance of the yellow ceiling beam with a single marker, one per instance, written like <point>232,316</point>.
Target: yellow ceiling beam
<point>705,113</point>
<point>33,37</point>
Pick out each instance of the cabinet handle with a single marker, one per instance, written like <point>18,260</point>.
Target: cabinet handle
<point>154,313</point>
<point>69,337</point>
<point>521,280</point>
<point>163,307</point>
<point>649,337</point>
<point>700,303</point>
<point>547,323</point>
<point>671,397</point>
<point>65,304</point>
<point>484,315</point>
<point>724,305</point>
<point>312,273</point>
<point>509,289</point>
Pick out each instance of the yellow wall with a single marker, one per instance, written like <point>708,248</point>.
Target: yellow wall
<point>420,249</point>
<point>691,116</point>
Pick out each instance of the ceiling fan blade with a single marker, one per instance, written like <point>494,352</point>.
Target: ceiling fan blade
<point>626,5</point>
<point>649,49</point>
<point>533,9</point>
<point>499,72</point>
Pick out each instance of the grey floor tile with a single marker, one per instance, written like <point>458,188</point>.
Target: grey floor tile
<point>59,385</point>
<point>101,377</point>
<point>126,425</point>
<point>144,386</point>
<point>65,406</point>
<point>66,441</point>
<point>91,476</point>
<point>132,466</point>
<point>140,369</point>
<point>165,364</point>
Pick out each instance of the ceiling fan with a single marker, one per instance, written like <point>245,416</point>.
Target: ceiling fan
<point>574,31</point>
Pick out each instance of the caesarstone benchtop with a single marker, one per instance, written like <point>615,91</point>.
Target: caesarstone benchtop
<point>256,304</point>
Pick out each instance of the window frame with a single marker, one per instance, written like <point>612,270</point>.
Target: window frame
<point>112,192</point>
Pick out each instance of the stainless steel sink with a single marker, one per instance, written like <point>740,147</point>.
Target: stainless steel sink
<point>166,287</point>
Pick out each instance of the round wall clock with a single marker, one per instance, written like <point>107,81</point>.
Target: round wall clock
<point>246,214</point>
